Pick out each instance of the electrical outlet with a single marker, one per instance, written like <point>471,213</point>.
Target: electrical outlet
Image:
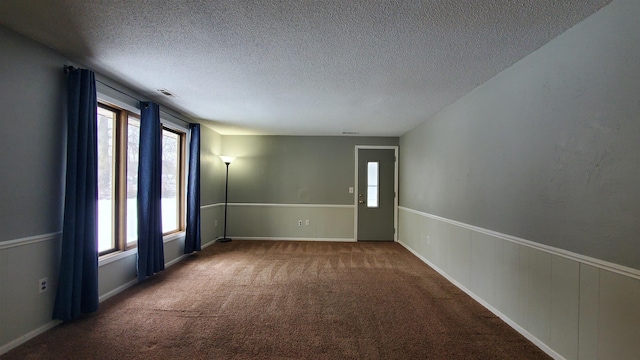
<point>43,285</point>
<point>306,222</point>
<point>299,222</point>
<point>428,240</point>
<point>215,223</point>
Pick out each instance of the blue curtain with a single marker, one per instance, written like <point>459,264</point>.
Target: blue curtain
<point>78,279</point>
<point>150,246</point>
<point>192,240</point>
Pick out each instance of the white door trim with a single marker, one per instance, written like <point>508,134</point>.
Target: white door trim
<point>395,188</point>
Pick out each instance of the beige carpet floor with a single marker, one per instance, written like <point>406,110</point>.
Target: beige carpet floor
<point>288,300</point>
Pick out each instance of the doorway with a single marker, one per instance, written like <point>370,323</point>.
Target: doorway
<point>376,200</point>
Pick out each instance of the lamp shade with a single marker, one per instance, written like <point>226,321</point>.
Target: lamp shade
<point>227,159</point>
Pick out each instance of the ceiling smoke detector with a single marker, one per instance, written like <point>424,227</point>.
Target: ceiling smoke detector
<point>350,132</point>
<point>167,93</point>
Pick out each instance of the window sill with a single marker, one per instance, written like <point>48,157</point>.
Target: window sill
<point>109,258</point>
<point>173,236</point>
<point>118,255</point>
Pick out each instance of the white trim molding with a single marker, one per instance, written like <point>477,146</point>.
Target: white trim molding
<point>293,205</point>
<point>604,265</point>
<point>281,205</point>
<point>29,240</point>
<point>211,205</point>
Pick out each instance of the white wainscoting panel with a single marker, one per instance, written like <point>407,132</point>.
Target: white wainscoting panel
<point>539,309</point>
<point>523,287</point>
<point>4,285</point>
<point>273,221</point>
<point>483,266</point>
<point>507,281</point>
<point>571,306</point>
<point>25,308</point>
<point>565,306</point>
<point>457,252</point>
<point>619,317</point>
<point>588,312</point>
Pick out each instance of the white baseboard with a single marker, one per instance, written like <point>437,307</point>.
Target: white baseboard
<point>118,290</point>
<point>211,242</point>
<point>544,347</point>
<point>24,338</point>
<point>176,260</point>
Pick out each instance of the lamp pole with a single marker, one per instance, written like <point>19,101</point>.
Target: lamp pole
<point>227,161</point>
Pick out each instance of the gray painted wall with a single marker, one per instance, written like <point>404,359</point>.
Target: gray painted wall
<point>33,130</point>
<point>211,168</point>
<point>294,169</point>
<point>547,150</point>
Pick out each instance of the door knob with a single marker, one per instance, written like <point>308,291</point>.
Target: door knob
<point>360,201</point>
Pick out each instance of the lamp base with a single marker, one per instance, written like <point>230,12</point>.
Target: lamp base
<point>224,239</point>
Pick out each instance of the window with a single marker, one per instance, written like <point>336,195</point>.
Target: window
<point>118,147</point>
<point>106,201</point>
<point>171,180</point>
<point>133,148</point>
<point>372,184</point>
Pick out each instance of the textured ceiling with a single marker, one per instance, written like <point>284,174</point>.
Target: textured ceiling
<point>299,67</point>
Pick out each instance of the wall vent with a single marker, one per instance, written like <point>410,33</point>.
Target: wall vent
<point>167,93</point>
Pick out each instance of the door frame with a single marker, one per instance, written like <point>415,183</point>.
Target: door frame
<point>395,187</point>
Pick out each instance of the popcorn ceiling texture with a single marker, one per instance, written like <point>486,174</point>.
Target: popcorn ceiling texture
<point>299,67</point>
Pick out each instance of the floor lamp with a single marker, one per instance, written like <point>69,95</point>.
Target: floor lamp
<point>227,160</point>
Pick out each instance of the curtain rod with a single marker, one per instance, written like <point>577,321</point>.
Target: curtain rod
<point>135,98</point>
<point>69,68</point>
